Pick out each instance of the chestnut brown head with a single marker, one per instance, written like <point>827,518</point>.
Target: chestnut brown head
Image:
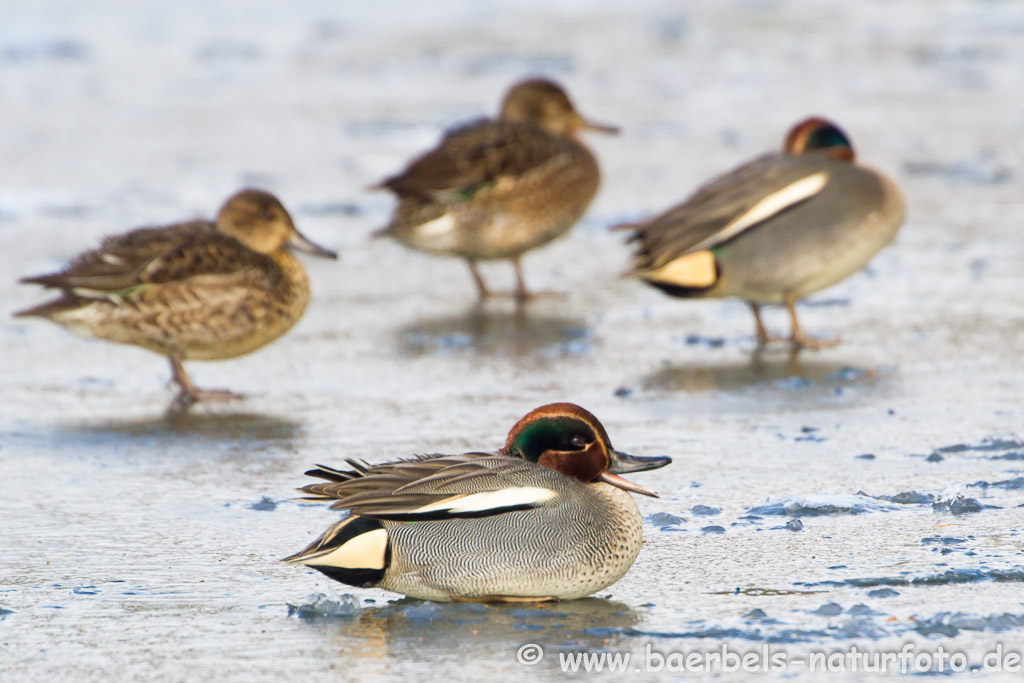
<point>816,134</point>
<point>570,440</point>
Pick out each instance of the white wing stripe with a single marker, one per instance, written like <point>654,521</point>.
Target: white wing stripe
<point>802,189</point>
<point>491,500</point>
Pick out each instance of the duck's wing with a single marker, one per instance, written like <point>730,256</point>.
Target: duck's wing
<point>435,487</point>
<point>150,256</point>
<point>476,156</point>
<point>120,260</point>
<point>725,207</point>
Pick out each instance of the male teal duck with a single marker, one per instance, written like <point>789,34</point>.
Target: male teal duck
<point>497,188</point>
<point>198,290</point>
<point>547,517</point>
<point>774,230</point>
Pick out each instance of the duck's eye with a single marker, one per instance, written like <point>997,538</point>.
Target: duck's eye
<point>578,442</point>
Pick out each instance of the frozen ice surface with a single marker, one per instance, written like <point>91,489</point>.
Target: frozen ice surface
<point>320,606</point>
<point>819,504</point>
<point>129,544</point>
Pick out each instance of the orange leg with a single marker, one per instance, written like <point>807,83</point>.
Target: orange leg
<point>796,337</point>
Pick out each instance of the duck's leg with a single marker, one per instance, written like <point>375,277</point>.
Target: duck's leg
<point>188,393</point>
<point>796,337</point>
<point>762,333</point>
<point>522,294</point>
<point>763,338</point>
<point>481,286</point>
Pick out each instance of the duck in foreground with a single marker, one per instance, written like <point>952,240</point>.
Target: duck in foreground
<point>197,290</point>
<point>497,188</point>
<point>774,230</point>
<point>547,517</point>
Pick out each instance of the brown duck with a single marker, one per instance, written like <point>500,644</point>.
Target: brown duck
<point>774,230</point>
<point>497,188</point>
<point>198,290</point>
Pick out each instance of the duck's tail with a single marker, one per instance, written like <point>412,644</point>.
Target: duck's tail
<point>355,551</point>
<point>49,309</point>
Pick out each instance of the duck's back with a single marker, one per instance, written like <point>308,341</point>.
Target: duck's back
<point>779,224</point>
<point>493,189</point>
<point>183,289</point>
<point>818,242</point>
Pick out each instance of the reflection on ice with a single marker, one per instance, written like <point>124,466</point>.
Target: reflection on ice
<point>514,333</point>
<point>795,372</point>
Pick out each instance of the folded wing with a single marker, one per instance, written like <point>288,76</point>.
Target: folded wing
<point>724,208</point>
<point>151,256</point>
<point>473,157</point>
<point>435,487</point>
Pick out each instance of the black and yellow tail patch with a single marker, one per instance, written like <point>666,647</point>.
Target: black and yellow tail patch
<point>355,551</point>
<point>688,275</point>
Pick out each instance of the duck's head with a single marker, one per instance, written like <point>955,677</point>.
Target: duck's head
<point>545,103</point>
<point>815,134</point>
<point>259,221</point>
<point>572,441</point>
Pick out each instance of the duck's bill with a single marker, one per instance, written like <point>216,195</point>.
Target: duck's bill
<point>598,127</point>
<point>627,485</point>
<point>303,244</point>
<point>622,463</point>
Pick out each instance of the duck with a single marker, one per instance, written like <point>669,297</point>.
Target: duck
<point>194,290</point>
<point>774,230</point>
<point>547,517</point>
<point>494,189</point>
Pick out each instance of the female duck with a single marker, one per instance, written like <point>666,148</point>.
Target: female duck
<point>547,517</point>
<point>495,189</point>
<point>198,290</point>
<point>774,230</point>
